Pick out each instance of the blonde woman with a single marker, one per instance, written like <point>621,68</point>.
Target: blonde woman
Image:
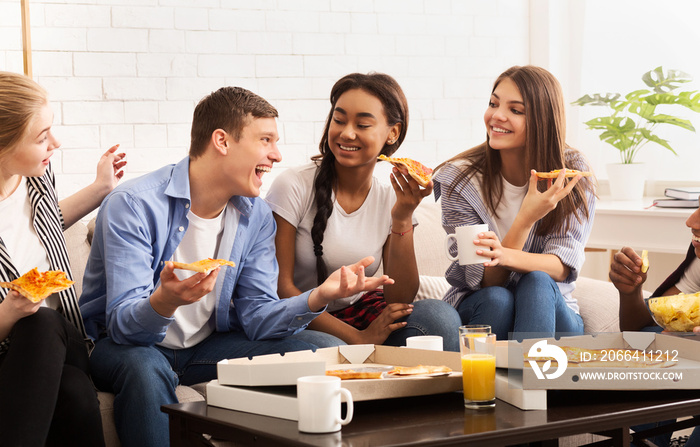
<point>45,389</point>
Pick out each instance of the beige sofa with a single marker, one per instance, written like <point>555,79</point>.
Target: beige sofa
<point>597,299</point>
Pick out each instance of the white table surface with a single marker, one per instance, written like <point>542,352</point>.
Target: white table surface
<point>634,224</point>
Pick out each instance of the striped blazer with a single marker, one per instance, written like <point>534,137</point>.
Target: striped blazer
<point>48,223</point>
<point>462,204</point>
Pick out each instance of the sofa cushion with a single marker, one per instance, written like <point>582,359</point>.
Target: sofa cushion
<point>429,240</point>
<point>78,252</point>
<point>599,304</point>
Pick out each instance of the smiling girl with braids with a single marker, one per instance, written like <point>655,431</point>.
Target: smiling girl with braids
<point>334,209</point>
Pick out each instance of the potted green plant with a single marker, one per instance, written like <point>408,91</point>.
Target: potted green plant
<point>632,121</point>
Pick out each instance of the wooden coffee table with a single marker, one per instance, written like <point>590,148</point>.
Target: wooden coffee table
<point>442,420</point>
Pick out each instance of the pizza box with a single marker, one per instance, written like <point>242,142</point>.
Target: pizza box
<point>680,368</point>
<point>509,389</point>
<point>275,401</point>
<point>276,369</point>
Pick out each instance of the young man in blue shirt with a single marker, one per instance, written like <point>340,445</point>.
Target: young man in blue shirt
<point>156,327</point>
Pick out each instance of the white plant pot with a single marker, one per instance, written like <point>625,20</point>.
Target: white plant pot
<point>626,180</point>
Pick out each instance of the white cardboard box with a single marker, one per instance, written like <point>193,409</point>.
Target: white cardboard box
<point>279,402</point>
<point>508,389</point>
<point>275,369</point>
<point>683,372</point>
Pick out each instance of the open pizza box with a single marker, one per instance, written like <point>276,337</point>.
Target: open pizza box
<point>656,361</point>
<point>279,370</point>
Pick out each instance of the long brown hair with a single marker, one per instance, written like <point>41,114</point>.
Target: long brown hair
<point>387,90</point>
<point>545,147</point>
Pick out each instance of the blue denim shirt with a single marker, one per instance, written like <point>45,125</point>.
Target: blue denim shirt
<point>139,226</point>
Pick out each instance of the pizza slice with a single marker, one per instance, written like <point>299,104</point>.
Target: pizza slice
<point>36,286</point>
<point>419,172</point>
<point>417,370</point>
<point>569,173</point>
<point>349,374</point>
<point>204,266</point>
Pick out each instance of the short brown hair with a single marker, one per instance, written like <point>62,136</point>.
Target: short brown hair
<point>20,100</point>
<point>229,109</point>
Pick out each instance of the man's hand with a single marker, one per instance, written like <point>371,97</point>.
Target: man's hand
<point>346,281</point>
<point>173,293</point>
<point>626,271</point>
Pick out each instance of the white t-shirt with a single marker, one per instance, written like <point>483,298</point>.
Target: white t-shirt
<point>690,281</point>
<point>194,322</point>
<point>508,207</point>
<point>348,238</point>
<point>21,239</point>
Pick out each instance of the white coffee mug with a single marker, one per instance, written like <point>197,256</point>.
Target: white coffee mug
<point>319,404</point>
<point>465,236</point>
<point>429,342</point>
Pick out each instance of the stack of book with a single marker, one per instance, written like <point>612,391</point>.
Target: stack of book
<point>680,197</point>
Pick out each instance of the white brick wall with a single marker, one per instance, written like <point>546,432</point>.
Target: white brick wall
<point>131,71</point>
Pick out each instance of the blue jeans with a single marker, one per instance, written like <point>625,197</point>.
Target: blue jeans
<point>144,377</point>
<point>534,305</point>
<point>429,317</point>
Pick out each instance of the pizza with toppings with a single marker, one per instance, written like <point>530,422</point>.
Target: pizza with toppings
<point>203,266</point>
<point>418,171</point>
<point>418,370</point>
<point>569,173</point>
<point>377,372</point>
<point>350,374</point>
<point>36,286</point>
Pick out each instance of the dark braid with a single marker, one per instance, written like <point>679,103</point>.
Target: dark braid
<point>323,199</point>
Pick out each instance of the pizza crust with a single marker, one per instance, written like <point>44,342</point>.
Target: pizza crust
<point>569,173</point>
<point>349,374</point>
<point>418,171</point>
<point>420,369</point>
<point>204,265</point>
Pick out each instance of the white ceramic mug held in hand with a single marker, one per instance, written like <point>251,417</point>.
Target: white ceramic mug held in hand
<point>466,250</point>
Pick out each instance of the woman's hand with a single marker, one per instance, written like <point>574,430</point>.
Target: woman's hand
<point>538,204</point>
<point>408,195</point>
<point>110,169</point>
<point>379,330</point>
<point>493,252</point>
<point>15,306</point>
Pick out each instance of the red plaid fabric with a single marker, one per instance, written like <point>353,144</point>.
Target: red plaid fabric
<point>364,311</point>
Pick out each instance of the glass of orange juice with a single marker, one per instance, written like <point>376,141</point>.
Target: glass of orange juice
<point>478,352</point>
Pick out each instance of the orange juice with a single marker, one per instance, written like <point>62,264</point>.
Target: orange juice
<point>479,377</point>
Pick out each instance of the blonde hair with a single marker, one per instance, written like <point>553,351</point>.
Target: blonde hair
<point>20,100</point>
